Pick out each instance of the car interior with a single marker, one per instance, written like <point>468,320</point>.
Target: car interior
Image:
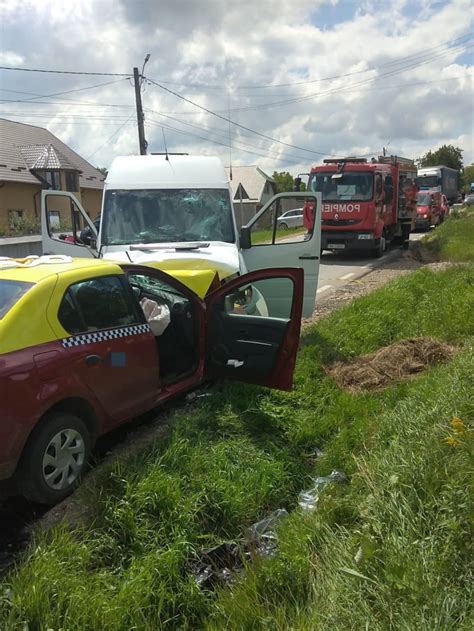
<point>174,322</point>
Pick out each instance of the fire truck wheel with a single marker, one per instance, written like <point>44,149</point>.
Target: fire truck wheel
<point>377,252</point>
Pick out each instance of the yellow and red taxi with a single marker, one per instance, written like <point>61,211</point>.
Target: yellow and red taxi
<point>87,344</point>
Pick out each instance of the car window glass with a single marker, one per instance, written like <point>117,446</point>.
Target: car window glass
<point>69,316</point>
<point>103,303</point>
<point>250,300</point>
<point>145,286</point>
<point>10,292</point>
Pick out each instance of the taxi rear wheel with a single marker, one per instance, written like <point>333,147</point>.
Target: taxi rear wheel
<point>55,458</point>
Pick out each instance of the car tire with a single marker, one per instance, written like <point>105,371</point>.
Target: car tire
<point>49,468</point>
<point>283,225</point>
<point>377,252</point>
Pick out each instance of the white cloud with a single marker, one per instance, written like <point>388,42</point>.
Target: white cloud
<point>224,46</point>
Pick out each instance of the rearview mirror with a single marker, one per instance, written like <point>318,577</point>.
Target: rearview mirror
<point>245,241</point>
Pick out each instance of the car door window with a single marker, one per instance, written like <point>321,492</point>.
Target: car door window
<point>98,303</point>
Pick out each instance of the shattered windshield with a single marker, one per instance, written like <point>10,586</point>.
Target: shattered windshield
<point>354,187</point>
<point>166,215</point>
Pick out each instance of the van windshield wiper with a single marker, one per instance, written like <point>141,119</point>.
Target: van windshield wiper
<point>181,245</point>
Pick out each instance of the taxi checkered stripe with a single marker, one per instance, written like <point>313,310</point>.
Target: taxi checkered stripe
<point>102,336</point>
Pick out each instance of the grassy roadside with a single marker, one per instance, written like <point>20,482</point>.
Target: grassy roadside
<point>266,236</point>
<point>454,239</point>
<point>243,452</point>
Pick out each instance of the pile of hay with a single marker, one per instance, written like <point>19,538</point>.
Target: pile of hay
<point>390,364</point>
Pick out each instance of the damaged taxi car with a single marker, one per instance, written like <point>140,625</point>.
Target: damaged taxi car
<point>88,344</point>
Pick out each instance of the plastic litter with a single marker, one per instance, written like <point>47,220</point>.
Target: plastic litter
<point>308,499</point>
<point>218,565</point>
<point>157,316</point>
<point>266,527</point>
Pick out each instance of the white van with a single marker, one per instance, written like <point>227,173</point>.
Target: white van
<point>176,213</point>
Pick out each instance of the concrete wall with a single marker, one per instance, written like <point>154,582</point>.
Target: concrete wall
<point>18,247</point>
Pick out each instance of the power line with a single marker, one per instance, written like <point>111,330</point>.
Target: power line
<point>370,80</point>
<point>47,96</point>
<point>228,120</point>
<point>110,137</point>
<point>398,61</point>
<point>74,72</point>
<point>222,144</point>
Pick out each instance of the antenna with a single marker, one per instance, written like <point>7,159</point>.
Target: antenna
<point>164,140</point>
<point>230,133</point>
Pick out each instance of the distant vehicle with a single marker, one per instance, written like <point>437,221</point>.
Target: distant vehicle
<point>291,219</point>
<point>469,200</point>
<point>87,344</point>
<point>365,204</point>
<point>439,178</point>
<point>429,209</point>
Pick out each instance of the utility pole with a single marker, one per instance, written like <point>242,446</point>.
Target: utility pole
<point>140,116</point>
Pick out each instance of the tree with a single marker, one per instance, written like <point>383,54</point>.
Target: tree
<point>468,177</point>
<point>285,182</point>
<point>103,170</point>
<point>447,155</point>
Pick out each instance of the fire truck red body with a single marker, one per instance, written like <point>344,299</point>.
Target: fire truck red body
<point>365,204</point>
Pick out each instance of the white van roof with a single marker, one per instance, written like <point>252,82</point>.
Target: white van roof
<point>148,172</point>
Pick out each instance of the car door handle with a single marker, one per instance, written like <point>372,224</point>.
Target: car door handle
<point>308,257</point>
<point>93,360</point>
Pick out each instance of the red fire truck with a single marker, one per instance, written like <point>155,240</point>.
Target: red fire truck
<point>366,204</point>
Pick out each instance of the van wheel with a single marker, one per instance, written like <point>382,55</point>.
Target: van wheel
<point>54,459</point>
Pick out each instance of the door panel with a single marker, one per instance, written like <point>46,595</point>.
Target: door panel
<point>62,220</point>
<point>245,341</point>
<point>110,347</point>
<point>271,246</point>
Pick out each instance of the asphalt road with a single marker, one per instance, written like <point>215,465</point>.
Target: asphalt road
<point>338,268</point>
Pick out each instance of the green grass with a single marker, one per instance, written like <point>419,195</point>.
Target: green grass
<point>245,451</point>
<point>454,239</point>
<point>266,236</point>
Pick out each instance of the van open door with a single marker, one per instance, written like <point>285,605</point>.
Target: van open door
<point>62,221</point>
<point>246,342</point>
<point>276,237</point>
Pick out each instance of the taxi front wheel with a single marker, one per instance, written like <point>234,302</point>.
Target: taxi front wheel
<point>54,459</point>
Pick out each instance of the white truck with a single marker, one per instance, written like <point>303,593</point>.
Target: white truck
<point>176,212</point>
<point>439,178</point>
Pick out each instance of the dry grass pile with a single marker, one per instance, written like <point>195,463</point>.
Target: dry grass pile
<point>390,364</point>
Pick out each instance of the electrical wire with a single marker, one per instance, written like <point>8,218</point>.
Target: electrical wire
<point>47,96</point>
<point>110,137</point>
<point>73,72</point>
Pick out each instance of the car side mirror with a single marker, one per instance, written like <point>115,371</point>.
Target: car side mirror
<point>245,241</point>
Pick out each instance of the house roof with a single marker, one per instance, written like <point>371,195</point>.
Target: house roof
<point>24,147</point>
<point>252,179</point>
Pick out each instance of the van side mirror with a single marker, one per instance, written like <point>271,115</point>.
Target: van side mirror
<point>297,185</point>
<point>245,241</point>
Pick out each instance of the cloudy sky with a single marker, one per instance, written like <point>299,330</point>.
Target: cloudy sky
<point>299,80</point>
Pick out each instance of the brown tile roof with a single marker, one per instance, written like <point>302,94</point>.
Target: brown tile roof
<point>24,147</point>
